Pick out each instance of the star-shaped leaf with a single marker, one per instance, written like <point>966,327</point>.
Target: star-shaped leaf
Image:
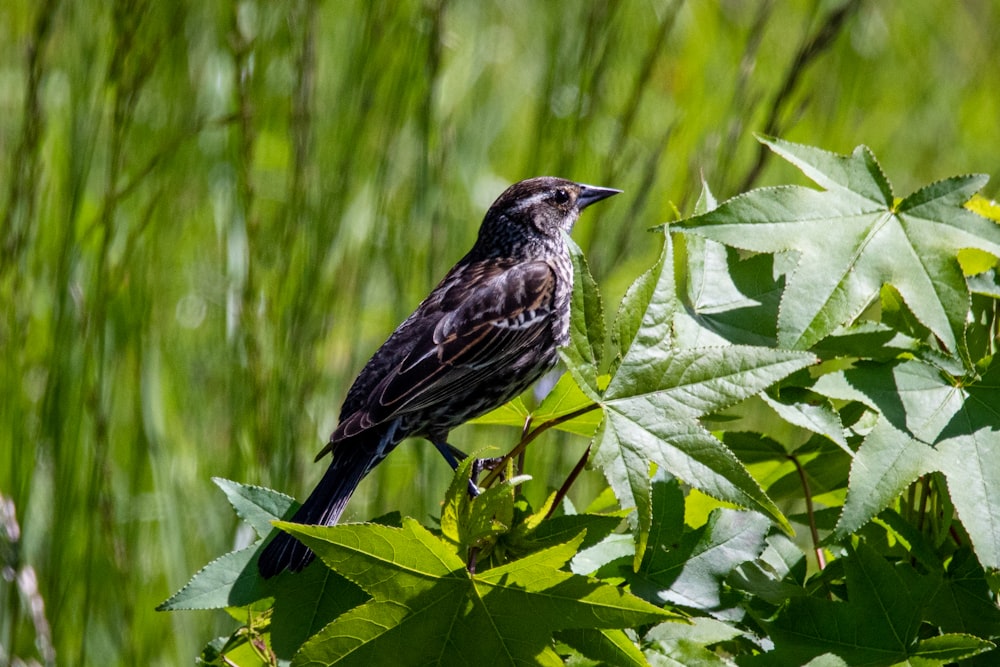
<point>657,394</point>
<point>232,579</point>
<point>964,603</point>
<point>687,568</point>
<point>424,599</point>
<point>852,238</point>
<point>878,625</point>
<point>929,421</point>
<point>304,602</point>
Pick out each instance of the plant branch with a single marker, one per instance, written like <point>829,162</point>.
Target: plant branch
<point>564,489</point>
<point>528,437</point>
<point>810,50</point>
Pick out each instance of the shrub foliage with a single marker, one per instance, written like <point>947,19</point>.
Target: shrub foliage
<point>796,411</point>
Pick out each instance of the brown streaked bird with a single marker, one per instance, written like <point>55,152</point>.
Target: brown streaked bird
<point>489,330</point>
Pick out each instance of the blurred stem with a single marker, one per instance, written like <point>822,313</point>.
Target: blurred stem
<point>246,391</point>
<point>23,177</point>
<point>820,559</point>
<point>809,52</point>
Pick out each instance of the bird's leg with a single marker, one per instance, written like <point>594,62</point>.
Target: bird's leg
<point>453,455</point>
<point>480,465</point>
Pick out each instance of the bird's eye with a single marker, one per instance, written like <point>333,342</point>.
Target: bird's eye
<point>561,196</point>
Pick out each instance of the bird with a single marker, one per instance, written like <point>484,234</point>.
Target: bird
<point>487,332</point>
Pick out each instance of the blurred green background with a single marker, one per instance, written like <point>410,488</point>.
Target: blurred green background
<point>212,213</point>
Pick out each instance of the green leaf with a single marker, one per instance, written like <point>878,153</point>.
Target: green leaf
<point>526,537</point>
<point>241,648</point>
<point>585,351</point>
<point>424,599</point>
<point>948,649</point>
<point>305,602</point>
<point>685,644</point>
<point>256,505</point>
<point>640,311</point>
<point>776,576</point>
<point>643,325</point>
<point>878,625</point>
<point>477,522</point>
<point>566,398</point>
<point>611,647</point>
<point>706,200</point>
<point>511,413</point>
<point>231,580</point>
<point>651,409</point>
<point>658,392</point>
<point>818,417</point>
<point>851,239</point>
<point>965,603</point>
<point>691,574</point>
<point>826,660</point>
<point>888,461</point>
<point>929,422</point>
<point>730,296</point>
<point>608,550</point>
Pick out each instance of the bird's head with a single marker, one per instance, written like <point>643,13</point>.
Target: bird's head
<point>535,212</point>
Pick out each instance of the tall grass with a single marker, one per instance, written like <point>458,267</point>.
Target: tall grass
<point>212,213</point>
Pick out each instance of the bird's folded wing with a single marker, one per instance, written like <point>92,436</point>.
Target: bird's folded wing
<point>473,344</point>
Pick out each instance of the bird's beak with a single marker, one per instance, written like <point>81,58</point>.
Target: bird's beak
<point>591,193</point>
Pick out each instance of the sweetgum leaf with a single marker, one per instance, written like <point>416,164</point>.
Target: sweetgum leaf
<point>610,647</point>
<point>256,505</point>
<point>729,295</point>
<point>964,603</point>
<point>304,602</point>
<point>585,351</point>
<point>929,422</point>
<point>232,580</point>
<point>685,644</point>
<point>950,648</point>
<point>878,625</point>
<point>650,301</point>
<point>657,394</point>
<point>852,238</point>
<point>424,599</point>
<point>691,573</point>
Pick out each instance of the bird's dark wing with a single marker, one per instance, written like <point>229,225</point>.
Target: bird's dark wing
<point>472,331</point>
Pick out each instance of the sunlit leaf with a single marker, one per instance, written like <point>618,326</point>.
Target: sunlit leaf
<point>425,599</point>
<point>853,237</point>
<point>929,422</point>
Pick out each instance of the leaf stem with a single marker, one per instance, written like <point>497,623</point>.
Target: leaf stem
<point>820,559</point>
<point>528,437</point>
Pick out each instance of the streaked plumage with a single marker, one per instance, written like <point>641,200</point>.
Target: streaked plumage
<point>484,334</point>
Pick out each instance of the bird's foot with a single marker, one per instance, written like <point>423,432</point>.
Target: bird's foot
<point>479,465</point>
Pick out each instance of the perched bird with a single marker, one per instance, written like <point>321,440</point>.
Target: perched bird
<point>484,334</point>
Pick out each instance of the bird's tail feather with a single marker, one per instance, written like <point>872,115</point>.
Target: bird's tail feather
<point>323,507</point>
